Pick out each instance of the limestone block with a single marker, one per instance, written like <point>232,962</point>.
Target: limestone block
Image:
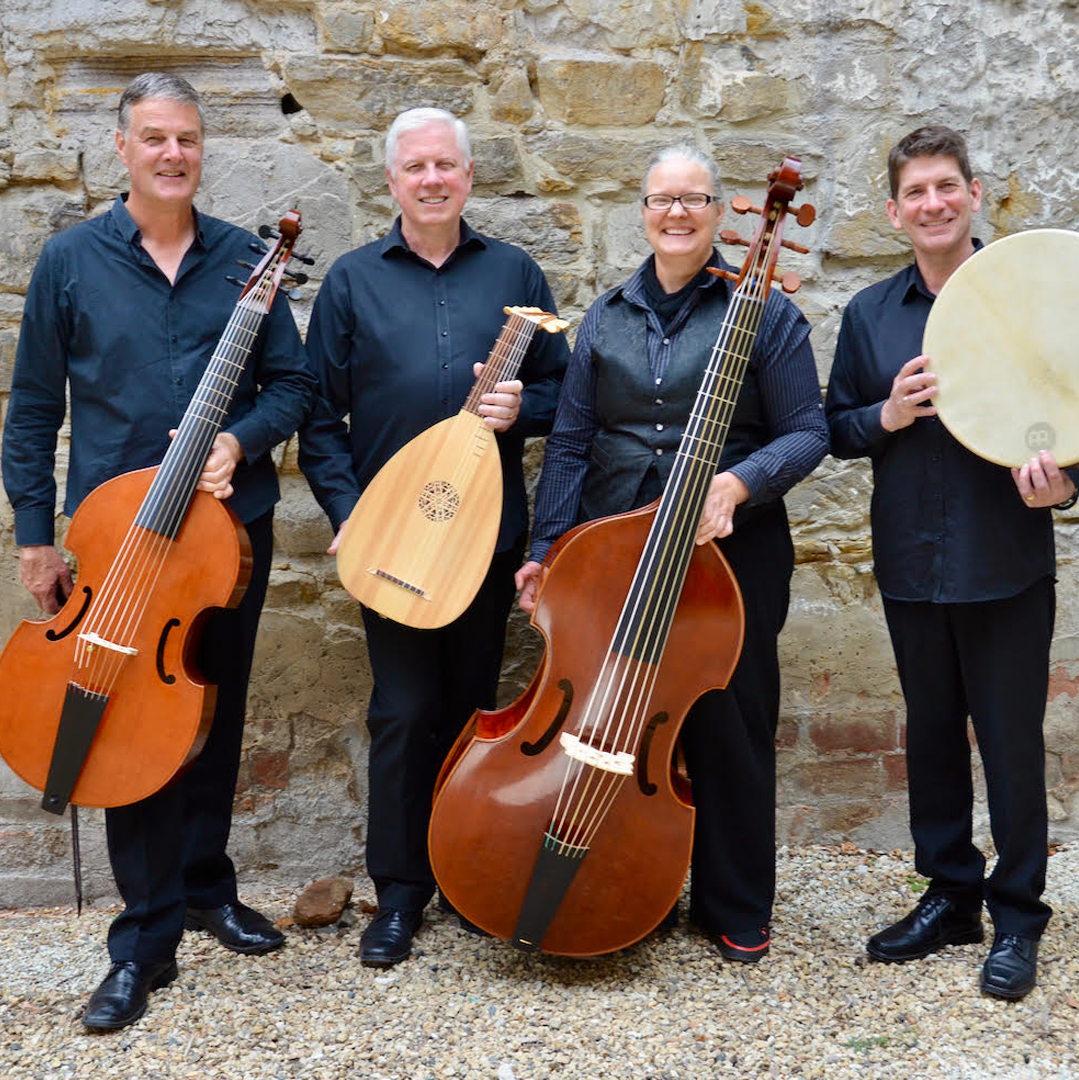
<point>40,163</point>
<point>437,25</point>
<point>581,158</point>
<point>701,19</point>
<point>600,90</point>
<point>254,182</point>
<point>549,232</point>
<point>498,161</point>
<point>623,244</point>
<point>629,24</point>
<point>30,215</point>
<point>861,234</point>
<point>8,341</point>
<point>126,26</point>
<point>714,83</point>
<point>346,28</point>
<point>511,101</point>
<point>240,96</point>
<point>103,172</point>
<point>359,95</point>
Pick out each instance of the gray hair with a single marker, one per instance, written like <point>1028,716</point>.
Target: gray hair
<point>684,152</point>
<point>414,119</point>
<point>157,84</point>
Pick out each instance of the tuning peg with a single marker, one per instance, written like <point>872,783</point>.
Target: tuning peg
<point>267,233</point>
<point>729,236</point>
<point>728,274</point>
<point>795,247</point>
<point>258,249</point>
<point>307,260</point>
<point>790,282</point>
<point>741,205</point>
<point>297,275</point>
<point>805,215</point>
<point>245,265</point>
<point>235,281</point>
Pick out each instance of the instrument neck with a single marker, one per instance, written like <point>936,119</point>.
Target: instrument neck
<point>503,361</point>
<point>166,502</point>
<point>646,618</point>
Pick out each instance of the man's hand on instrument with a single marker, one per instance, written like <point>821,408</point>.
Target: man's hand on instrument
<point>332,549</point>
<point>225,454</point>
<point>501,406</point>
<point>528,579</point>
<point>724,493</point>
<point>45,576</point>
<point>910,388</point>
<point>1041,483</point>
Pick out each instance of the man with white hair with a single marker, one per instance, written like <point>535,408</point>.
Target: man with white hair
<point>397,330</point>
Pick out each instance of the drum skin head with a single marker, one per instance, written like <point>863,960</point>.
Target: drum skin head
<point>1003,340</point>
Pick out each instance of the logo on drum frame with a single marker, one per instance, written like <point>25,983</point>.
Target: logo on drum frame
<point>1041,437</point>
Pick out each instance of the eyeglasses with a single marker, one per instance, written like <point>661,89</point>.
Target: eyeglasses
<point>692,200</point>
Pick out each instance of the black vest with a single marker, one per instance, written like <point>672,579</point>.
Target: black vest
<point>641,421</point>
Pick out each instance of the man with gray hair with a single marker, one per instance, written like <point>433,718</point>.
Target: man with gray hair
<point>397,333</point>
<point>124,310</point>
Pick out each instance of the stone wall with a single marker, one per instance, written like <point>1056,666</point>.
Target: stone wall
<point>566,100</point>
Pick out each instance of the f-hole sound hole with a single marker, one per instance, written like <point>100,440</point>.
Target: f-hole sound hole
<point>53,635</point>
<point>531,749</point>
<point>646,786</point>
<point>162,674</point>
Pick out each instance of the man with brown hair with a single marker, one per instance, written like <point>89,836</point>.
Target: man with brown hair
<point>963,555</point>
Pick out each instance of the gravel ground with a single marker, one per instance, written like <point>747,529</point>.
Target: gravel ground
<point>473,1009</point>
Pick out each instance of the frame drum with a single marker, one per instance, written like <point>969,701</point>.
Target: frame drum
<point>1003,340</point>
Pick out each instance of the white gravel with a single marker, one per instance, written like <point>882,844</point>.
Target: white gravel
<point>471,1008</point>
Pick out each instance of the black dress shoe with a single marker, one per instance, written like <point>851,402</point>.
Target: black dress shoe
<point>1011,968</point>
<point>237,927</point>
<point>121,998</point>
<point>934,923</point>
<point>747,947</point>
<point>388,937</point>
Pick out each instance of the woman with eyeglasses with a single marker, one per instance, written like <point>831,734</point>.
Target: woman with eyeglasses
<point>637,364</point>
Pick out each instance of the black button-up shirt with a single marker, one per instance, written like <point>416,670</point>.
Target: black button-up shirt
<point>948,526</point>
<point>103,320</point>
<point>393,340</point>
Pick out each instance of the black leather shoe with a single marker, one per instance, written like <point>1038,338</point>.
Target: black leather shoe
<point>387,940</point>
<point>237,927</point>
<point>121,998</point>
<point>934,923</point>
<point>747,947</point>
<point>1011,968</point>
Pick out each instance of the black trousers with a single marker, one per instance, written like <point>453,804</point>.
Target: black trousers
<point>729,743</point>
<point>168,851</point>
<point>427,685</point>
<point>988,661</point>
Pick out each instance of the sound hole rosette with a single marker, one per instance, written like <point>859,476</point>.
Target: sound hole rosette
<point>439,500</point>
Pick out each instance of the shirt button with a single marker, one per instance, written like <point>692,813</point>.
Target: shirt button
<point>659,451</point>
<point>442,303</point>
<point>658,381</point>
<point>173,339</point>
<point>659,427</point>
<point>666,341</point>
<point>659,401</point>
<point>445,333</point>
<point>444,366</point>
<point>179,382</point>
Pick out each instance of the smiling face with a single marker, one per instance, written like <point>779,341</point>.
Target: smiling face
<point>679,236</point>
<point>934,205</point>
<point>162,149</point>
<point>430,179</point>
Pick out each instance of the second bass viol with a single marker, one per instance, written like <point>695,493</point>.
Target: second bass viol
<point>102,704</point>
<point>560,823</point>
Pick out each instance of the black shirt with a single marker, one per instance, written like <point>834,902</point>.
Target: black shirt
<point>948,526</point>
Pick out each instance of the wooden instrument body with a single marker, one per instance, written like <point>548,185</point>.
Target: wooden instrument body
<point>419,542</point>
<point>495,795</point>
<point>160,711</point>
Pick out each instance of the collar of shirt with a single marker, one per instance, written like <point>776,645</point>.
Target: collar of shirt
<point>915,283</point>
<point>394,243</point>
<point>126,227</point>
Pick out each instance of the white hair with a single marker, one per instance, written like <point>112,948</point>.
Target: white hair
<point>685,152</point>
<point>414,119</point>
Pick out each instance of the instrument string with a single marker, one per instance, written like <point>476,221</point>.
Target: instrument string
<point>581,806</point>
<point>112,625</point>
